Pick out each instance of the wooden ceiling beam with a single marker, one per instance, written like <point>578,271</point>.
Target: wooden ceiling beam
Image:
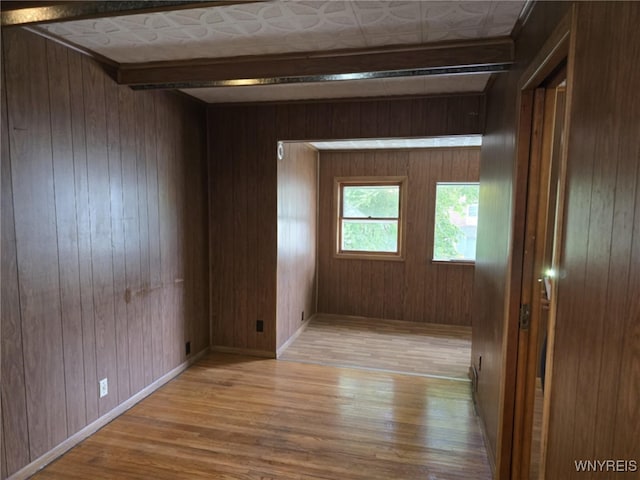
<point>17,13</point>
<point>443,58</point>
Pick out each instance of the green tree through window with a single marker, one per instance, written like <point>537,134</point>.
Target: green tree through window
<point>369,217</point>
<point>456,221</point>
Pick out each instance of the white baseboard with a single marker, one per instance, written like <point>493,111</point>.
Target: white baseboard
<point>243,351</point>
<point>59,450</point>
<point>303,326</point>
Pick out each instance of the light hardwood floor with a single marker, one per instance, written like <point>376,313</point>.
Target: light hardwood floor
<point>235,417</point>
<point>391,345</point>
<point>536,440</point>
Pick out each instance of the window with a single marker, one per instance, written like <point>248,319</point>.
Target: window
<point>456,222</point>
<point>370,216</point>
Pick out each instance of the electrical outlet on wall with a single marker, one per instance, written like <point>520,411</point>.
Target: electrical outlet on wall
<point>104,387</point>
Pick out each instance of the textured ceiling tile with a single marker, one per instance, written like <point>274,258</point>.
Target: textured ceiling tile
<point>438,36</point>
<point>300,42</point>
<point>319,16</point>
<point>388,20</point>
<point>394,39</point>
<point>454,15</point>
<point>387,13</point>
<point>455,35</point>
<point>133,22</point>
<point>285,26</point>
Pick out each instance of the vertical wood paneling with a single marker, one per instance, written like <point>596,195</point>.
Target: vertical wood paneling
<point>266,201</point>
<point>3,454</point>
<point>84,236</point>
<point>214,187</point>
<point>297,194</point>
<point>431,300</point>
<point>624,405</point>
<point>416,256</point>
<point>620,305</point>
<point>129,158</point>
<point>166,204</point>
<point>154,302</point>
<point>118,241</point>
<point>251,139</point>
<point>93,215</point>
<point>197,242</point>
<point>369,119</point>
<point>495,232</point>
<point>180,327</point>
<point>67,236</point>
<point>100,228</point>
<point>594,409</point>
<point>218,182</point>
<point>254,240</point>
<point>14,403</point>
<point>596,375</point>
<point>4,151</point>
<point>325,189</point>
<point>414,289</point>
<point>240,232</point>
<point>222,231</point>
<point>36,240</point>
<point>140,113</point>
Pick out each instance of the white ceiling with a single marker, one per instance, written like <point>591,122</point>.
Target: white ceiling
<point>287,26</point>
<point>281,26</point>
<point>394,143</point>
<point>381,87</point>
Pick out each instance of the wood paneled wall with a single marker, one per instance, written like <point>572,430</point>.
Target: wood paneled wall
<point>494,255</point>
<point>104,242</point>
<point>414,289</point>
<point>297,227</point>
<point>595,407</point>
<point>243,190</point>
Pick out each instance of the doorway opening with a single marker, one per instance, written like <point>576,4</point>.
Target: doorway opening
<point>404,291</point>
<point>541,260</point>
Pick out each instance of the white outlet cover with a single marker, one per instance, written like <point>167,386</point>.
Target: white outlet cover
<point>104,387</point>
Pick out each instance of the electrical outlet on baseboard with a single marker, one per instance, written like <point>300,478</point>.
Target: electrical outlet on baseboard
<point>104,387</point>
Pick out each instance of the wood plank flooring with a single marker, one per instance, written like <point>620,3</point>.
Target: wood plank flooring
<point>391,345</point>
<point>235,417</point>
<point>536,438</point>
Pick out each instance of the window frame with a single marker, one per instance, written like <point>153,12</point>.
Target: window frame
<point>433,243</point>
<point>374,181</point>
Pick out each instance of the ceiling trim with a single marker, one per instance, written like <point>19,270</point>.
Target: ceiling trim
<point>419,72</point>
<point>442,58</point>
<point>22,13</point>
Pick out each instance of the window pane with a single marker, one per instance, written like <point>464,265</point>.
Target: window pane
<point>456,221</point>
<point>370,235</point>
<point>377,201</point>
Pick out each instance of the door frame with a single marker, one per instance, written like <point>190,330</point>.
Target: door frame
<point>516,421</point>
